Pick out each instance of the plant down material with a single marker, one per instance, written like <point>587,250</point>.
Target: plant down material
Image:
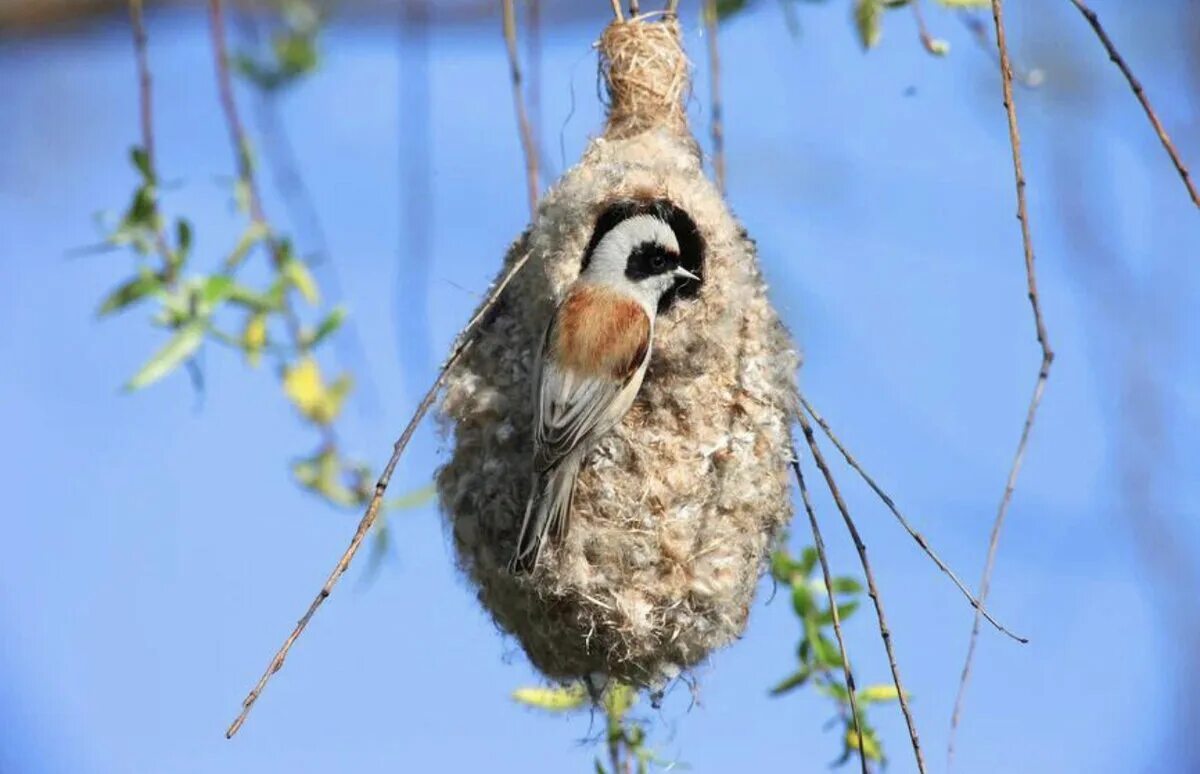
<point>677,509</point>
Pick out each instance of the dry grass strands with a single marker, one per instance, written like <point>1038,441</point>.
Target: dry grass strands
<point>676,509</point>
<point>646,74</point>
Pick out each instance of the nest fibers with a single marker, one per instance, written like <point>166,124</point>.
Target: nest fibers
<point>677,508</point>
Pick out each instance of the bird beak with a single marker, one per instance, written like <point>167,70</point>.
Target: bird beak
<point>685,274</point>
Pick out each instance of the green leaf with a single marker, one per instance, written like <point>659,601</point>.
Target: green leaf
<point>141,161</point>
<point>131,291</point>
<point>600,767</point>
<point>413,499</point>
<point>181,346</point>
<point>792,682</point>
<point>297,274</point>
<point>253,234</point>
<point>878,693</point>
<point>868,20</point>
<point>847,585</point>
<point>183,241</point>
<point>251,299</point>
<point>782,566</point>
<point>216,289</point>
<point>618,700</point>
<point>872,749</point>
<point>802,601</point>
<point>827,653</point>
<point>254,337</point>
<point>834,690</point>
<point>727,8</point>
<point>844,611</point>
<point>331,323</point>
<point>561,699</point>
<point>808,560</point>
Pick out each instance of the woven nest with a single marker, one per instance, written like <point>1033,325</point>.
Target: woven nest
<point>676,509</point>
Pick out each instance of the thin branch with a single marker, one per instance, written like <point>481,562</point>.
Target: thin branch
<point>616,8</point>
<point>716,126</point>
<point>884,632</point>
<point>913,533</point>
<point>528,146</point>
<point>146,116</point>
<point>463,343</point>
<point>1030,79</point>
<point>302,210</point>
<point>634,7</point>
<point>927,40</point>
<point>672,8</point>
<point>1014,137</point>
<point>244,162</point>
<point>1138,92</point>
<point>819,542</point>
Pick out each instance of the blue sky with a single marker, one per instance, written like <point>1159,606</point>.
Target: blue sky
<point>154,551</point>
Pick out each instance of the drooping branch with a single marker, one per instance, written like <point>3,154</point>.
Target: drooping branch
<point>1136,86</point>
<point>1043,373</point>
<point>884,632</point>
<point>913,533</point>
<point>524,128</point>
<point>463,343</point>
<point>716,125</point>
<point>819,543</point>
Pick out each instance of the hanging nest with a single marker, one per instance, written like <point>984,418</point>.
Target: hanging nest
<point>675,510</point>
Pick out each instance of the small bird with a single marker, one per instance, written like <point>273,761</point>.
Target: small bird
<point>591,365</point>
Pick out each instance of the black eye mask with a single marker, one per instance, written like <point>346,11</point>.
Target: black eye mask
<point>691,244</point>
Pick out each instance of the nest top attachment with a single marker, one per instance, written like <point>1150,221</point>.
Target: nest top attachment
<point>647,75</point>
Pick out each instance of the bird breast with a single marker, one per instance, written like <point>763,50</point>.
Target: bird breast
<point>601,333</point>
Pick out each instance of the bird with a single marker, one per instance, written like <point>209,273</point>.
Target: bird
<point>591,365</point>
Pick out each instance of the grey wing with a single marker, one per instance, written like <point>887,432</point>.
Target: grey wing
<point>569,408</point>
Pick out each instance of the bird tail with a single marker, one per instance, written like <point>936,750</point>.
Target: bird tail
<point>548,510</point>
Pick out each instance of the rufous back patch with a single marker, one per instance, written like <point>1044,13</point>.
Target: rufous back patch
<point>601,333</point>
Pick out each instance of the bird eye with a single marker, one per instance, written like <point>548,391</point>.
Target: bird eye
<point>658,262</point>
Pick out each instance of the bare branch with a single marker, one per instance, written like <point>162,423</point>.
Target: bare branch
<point>819,542</point>
<point>463,343</point>
<point>884,632</point>
<point>528,146</point>
<point>716,127</point>
<point>916,536</point>
<point>1029,78</point>
<point>1140,93</point>
<point>1014,136</point>
<point>617,13</point>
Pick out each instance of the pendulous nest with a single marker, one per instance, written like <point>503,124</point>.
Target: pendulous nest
<point>677,509</point>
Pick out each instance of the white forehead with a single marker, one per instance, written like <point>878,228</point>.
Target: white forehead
<point>644,228</point>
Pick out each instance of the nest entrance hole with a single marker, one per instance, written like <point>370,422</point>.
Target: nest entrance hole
<point>691,243</point>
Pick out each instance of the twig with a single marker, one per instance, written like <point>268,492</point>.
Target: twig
<point>1014,137</point>
<point>927,40</point>
<point>616,8</point>
<point>1030,79</point>
<point>244,162</point>
<point>917,536</point>
<point>716,127</point>
<point>672,8</point>
<point>884,632</point>
<point>1138,92</point>
<point>634,7</point>
<point>146,115</point>
<point>463,342</point>
<point>837,619</point>
<point>528,146</point>
<point>301,210</point>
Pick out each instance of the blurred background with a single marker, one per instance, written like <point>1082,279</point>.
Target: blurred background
<point>155,546</point>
